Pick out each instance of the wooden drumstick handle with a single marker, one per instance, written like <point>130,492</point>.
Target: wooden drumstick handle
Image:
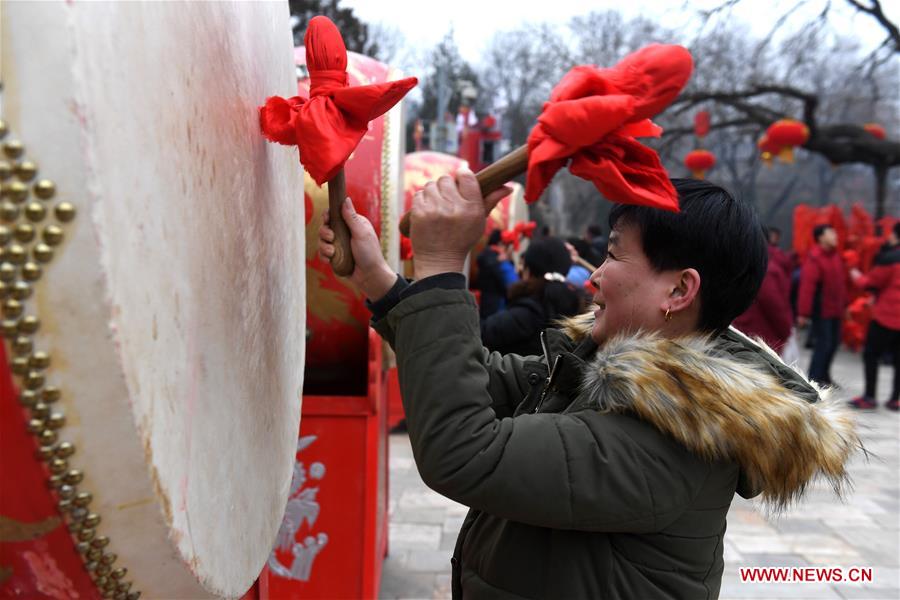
<point>342,261</point>
<point>492,177</point>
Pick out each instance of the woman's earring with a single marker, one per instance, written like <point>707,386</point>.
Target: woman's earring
<point>668,315</point>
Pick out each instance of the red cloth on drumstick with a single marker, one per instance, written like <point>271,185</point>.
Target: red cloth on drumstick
<point>332,122</point>
<point>592,119</point>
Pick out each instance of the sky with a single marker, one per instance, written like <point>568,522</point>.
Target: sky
<point>425,22</point>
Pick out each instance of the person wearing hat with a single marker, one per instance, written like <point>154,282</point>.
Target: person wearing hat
<point>542,297</point>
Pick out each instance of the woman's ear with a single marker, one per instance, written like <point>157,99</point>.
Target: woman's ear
<point>685,290</point>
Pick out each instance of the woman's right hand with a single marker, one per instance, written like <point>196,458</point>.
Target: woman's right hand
<point>371,274</point>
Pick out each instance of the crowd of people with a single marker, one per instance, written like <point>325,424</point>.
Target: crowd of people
<point>814,293</point>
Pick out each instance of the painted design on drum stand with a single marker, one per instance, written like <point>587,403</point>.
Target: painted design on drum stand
<point>27,244</point>
<point>302,506</point>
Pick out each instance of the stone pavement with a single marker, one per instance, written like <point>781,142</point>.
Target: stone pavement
<point>822,531</point>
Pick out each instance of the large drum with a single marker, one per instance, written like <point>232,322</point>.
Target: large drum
<point>337,318</point>
<point>153,298</point>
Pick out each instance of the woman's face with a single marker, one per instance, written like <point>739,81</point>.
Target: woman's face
<point>630,295</point>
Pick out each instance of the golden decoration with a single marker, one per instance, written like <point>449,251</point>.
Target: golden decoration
<point>53,235</point>
<point>5,235</point>
<point>40,411</point>
<point>6,170</point>
<point>39,360</point>
<point>42,253</point>
<point>25,170</point>
<point>4,290</point>
<point>45,453</point>
<point>12,308</point>
<point>16,191</point>
<point>19,365</point>
<point>101,542</point>
<point>28,398</point>
<point>50,394</point>
<point>65,211</point>
<point>65,450</point>
<point>34,380</point>
<point>22,345</point>
<point>8,328</point>
<point>31,271</point>
<point>7,272</point>
<point>35,212</point>
<point>29,324</point>
<point>13,148</point>
<point>66,492</point>
<point>44,189</point>
<point>9,212</point>
<point>92,520</point>
<point>35,425</point>
<point>47,438</point>
<point>74,477</point>
<point>58,465</point>
<point>24,232</point>
<point>56,421</point>
<point>20,290</point>
<point>54,481</point>
<point>16,254</point>
<point>86,535</point>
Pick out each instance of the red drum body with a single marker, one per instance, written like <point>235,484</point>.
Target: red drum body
<point>337,318</point>
<point>152,297</point>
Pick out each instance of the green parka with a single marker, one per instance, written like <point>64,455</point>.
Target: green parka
<point>609,473</point>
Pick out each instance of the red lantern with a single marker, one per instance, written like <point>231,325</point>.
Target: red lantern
<point>787,134</point>
<point>699,162</point>
<point>767,149</point>
<point>701,124</point>
<point>876,130</point>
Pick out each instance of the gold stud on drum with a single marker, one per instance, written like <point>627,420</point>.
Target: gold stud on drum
<point>35,212</point>
<point>6,169</point>
<point>65,450</point>
<point>51,394</point>
<point>44,189</point>
<point>109,559</point>
<point>20,290</point>
<point>119,573</point>
<point>67,492</point>
<point>86,535</point>
<point>9,328</point>
<point>35,425</point>
<point>5,289</point>
<point>40,411</point>
<point>56,421</point>
<point>92,520</point>
<point>7,272</point>
<point>103,569</point>
<point>39,360</point>
<point>58,465</point>
<point>28,398</point>
<point>42,253</point>
<point>54,482</point>
<point>101,541</point>
<point>15,191</point>
<point>22,345</point>
<point>78,514</point>
<point>25,170</point>
<point>73,477</point>
<point>44,453</point>
<point>83,547</point>
<point>100,580</point>
<point>95,554</point>
<point>31,271</point>
<point>6,235</point>
<point>16,254</point>
<point>82,499</point>
<point>24,232</point>
<point>34,380</point>
<point>65,506</point>
<point>19,365</point>
<point>13,148</point>
<point>53,235</point>
<point>9,212</point>
<point>12,308</point>
<point>47,438</point>
<point>28,324</point>
<point>65,211</point>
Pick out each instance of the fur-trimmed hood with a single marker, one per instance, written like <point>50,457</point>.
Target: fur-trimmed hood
<point>727,398</point>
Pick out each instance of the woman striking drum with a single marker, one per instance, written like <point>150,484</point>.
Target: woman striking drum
<point>604,468</point>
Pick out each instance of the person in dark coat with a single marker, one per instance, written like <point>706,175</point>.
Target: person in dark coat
<point>495,275</point>
<point>540,298</point>
<point>883,336</point>
<point>770,316</point>
<point>605,466</point>
<point>822,298</point>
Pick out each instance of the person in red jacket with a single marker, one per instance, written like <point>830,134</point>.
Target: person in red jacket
<point>770,316</point>
<point>884,330</point>
<point>821,299</point>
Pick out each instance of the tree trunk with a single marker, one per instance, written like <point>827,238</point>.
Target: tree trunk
<point>880,190</point>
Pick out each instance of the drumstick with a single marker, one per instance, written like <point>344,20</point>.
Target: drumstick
<point>342,261</point>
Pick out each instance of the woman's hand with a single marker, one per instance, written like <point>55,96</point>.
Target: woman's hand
<point>371,274</point>
<point>446,221</point>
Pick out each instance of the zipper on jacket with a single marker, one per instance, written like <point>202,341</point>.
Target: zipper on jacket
<point>544,346</point>
<point>549,384</point>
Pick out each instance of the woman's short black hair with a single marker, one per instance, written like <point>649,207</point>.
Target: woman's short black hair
<point>713,233</point>
<point>819,231</point>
